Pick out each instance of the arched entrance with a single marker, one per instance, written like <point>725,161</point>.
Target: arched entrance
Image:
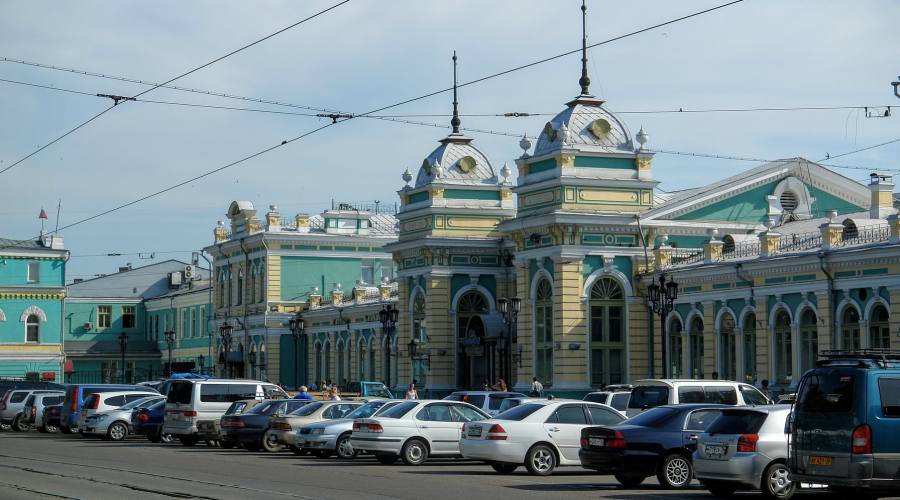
<point>476,356</point>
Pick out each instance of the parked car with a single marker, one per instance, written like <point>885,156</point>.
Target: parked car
<point>509,403</point>
<point>845,428</point>
<point>415,430</point>
<point>75,396</point>
<point>746,448</point>
<point>659,441</point>
<point>541,435</point>
<point>251,429</point>
<point>617,398</point>
<point>12,407</point>
<point>115,424</point>
<point>333,436</point>
<point>658,392</point>
<point>487,401</point>
<point>101,402</point>
<point>285,429</point>
<point>367,390</point>
<point>34,409</point>
<point>236,408</point>
<point>51,418</point>
<point>194,406</point>
<point>148,421</point>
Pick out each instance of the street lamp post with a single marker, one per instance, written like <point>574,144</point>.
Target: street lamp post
<point>388,315</point>
<point>170,341</point>
<point>509,308</point>
<point>662,301</point>
<point>225,332</point>
<point>297,327</point>
<point>200,362</point>
<point>123,345</point>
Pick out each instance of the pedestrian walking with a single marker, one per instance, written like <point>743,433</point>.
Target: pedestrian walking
<point>537,389</point>
<point>335,394</point>
<point>501,385</point>
<point>411,392</point>
<point>303,394</point>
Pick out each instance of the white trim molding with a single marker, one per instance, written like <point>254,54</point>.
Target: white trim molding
<point>33,310</point>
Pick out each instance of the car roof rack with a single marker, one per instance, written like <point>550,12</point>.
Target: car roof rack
<point>880,356</point>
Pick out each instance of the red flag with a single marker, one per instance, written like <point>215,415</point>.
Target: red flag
<point>43,214</point>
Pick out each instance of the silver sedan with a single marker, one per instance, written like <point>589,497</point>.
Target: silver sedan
<point>115,425</point>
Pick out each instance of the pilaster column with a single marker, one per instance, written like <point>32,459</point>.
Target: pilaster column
<point>710,340</point>
<point>525,330</point>
<point>763,340</point>
<point>570,366</point>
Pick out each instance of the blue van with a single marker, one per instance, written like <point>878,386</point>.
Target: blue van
<point>845,424</point>
<point>75,396</point>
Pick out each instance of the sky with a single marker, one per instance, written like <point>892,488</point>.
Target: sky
<point>366,54</point>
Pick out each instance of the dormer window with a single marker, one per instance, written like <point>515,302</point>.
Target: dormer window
<point>789,201</point>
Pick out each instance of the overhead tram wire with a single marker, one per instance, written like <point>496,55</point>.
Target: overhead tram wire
<point>376,110</point>
<point>764,160</point>
<point>860,150</point>
<point>116,99</point>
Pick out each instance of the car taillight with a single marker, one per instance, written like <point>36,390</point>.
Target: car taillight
<point>496,433</point>
<point>282,426</point>
<point>616,441</point>
<point>75,405</point>
<point>95,404</point>
<point>374,428</point>
<point>143,417</point>
<point>355,426</point>
<point>747,442</point>
<point>862,439</point>
<point>233,424</point>
<point>33,411</point>
<point>190,413</point>
<point>584,442</point>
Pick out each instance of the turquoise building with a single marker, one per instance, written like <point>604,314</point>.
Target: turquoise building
<point>32,289</point>
<point>187,314</point>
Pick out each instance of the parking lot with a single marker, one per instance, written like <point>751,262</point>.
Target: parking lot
<point>36,465</point>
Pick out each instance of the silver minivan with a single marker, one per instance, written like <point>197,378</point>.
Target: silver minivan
<point>659,392</point>
<point>194,407</point>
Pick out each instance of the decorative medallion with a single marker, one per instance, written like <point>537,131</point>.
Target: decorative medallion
<point>550,132</point>
<point>466,164</point>
<point>600,128</point>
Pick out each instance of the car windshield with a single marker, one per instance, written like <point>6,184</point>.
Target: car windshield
<point>737,422</point>
<point>236,407</point>
<point>307,410</point>
<point>597,397</point>
<point>136,403</point>
<point>509,403</point>
<point>519,412</point>
<point>366,410</point>
<point>264,408</point>
<point>398,411</point>
<point>827,392</point>
<point>180,392</point>
<point>649,396</point>
<point>655,417</point>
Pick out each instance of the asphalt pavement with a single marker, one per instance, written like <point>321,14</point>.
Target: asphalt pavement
<point>34,465</point>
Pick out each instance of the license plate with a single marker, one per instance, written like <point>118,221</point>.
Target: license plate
<point>596,441</point>
<point>715,451</point>
<point>475,431</point>
<point>819,460</point>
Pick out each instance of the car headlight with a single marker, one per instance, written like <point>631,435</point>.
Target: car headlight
<point>317,431</point>
<point>101,417</point>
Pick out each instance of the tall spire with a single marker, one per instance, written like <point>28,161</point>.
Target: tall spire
<point>455,121</point>
<point>584,81</point>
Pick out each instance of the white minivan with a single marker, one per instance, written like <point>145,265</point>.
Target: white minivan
<point>194,407</point>
<point>658,392</point>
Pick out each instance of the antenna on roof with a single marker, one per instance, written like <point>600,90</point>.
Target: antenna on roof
<point>455,121</point>
<point>584,81</point>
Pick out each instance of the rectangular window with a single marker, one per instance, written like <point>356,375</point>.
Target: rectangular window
<point>890,396</point>
<point>190,328</point>
<point>129,316</point>
<point>109,372</point>
<point>368,271</point>
<point>104,316</point>
<point>201,322</point>
<point>34,272</point>
<point>387,269</point>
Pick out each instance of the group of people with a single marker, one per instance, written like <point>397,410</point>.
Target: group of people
<point>330,392</point>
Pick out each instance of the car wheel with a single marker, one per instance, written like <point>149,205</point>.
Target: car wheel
<point>18,424</point>
<point>775,482</point>
<point>386,459</point>
<point>166,438</point>
<point>300,452</point>
<point>270,443</point>
<point>720,489</point>
<point>414,452</point>
<point>5,427</point>
<point>540,460</point>
<point>505,468</point>
<point>226,444</point>
<point>117,432</point>
<point>629,480</point>
<point>344,449</point>
<point>188,440</point>
<point>676,471</point>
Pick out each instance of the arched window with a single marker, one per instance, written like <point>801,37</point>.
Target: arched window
<point>809,341</point>
<point>749,331</point>
<point>474,356</point>
<point>543,332</point>
<point>370,375</point>
<point>240,287</point>
<point>607,313</point>
<point>420,334</point>
<point>33,328</point>
<point>362,356</point>
<point>339,360</point>
<point>727,347</point>
<point>318,377</point>
<point>251,285</point>
<point>879,328</point>
<point>220,299</point>
<point>850,338</point>
<point>676,348</point>
<point>695,347</point>
<point>327,355</point>
<point>254,361</point>
<point>783,349</point>
<point>262,282</point>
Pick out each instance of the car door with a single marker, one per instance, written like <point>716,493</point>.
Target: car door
<point>436,423</point>
<point>463,414</point>
<point>695,424</point>
<point>564,428</point>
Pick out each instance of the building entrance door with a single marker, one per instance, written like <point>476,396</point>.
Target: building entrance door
<point>475,356</point>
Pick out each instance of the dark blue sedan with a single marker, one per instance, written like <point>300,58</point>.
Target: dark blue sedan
<point>659,441</point>
<point>250,429</point>
<point>149,421</point>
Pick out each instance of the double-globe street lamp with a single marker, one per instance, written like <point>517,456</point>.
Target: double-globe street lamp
<point>662,301</point>
<point>509,309</point>
<point>297,326</point>
<point>388,315</point>
<point>225,332</point>
<point>170,341</point>
<point>123,345</point>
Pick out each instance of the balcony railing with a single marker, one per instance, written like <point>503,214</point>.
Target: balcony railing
<point>800,241</point>
<point>872,234</point>
<point>743,250</point>
<point>685,256</point>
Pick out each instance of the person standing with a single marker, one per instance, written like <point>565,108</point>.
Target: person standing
<point>537,389</point>
<point>335,394</point>
<point>303,394</point>
<point>501,385</point>
<point>411,392</point>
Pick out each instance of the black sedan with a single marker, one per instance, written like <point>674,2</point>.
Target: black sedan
<point>51,418</point>
<point>250,429</point>
<point>659,441</point>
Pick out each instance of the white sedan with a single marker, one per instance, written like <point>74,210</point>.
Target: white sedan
<point>414,431</point>
<point>542,435</point>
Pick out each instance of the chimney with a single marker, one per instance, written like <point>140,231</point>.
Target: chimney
<point>302,221</point>
<point>220,233</point>
<point>882,189</point>
<point>273,219</point>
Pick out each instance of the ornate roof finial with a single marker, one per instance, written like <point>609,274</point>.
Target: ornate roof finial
<point>455,121</point>
<point>584,81</point>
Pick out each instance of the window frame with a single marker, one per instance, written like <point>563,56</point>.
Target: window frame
<point>132,314</point>
<point>36,324</point>
<point>104,311</point>
<point>33,274</point>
